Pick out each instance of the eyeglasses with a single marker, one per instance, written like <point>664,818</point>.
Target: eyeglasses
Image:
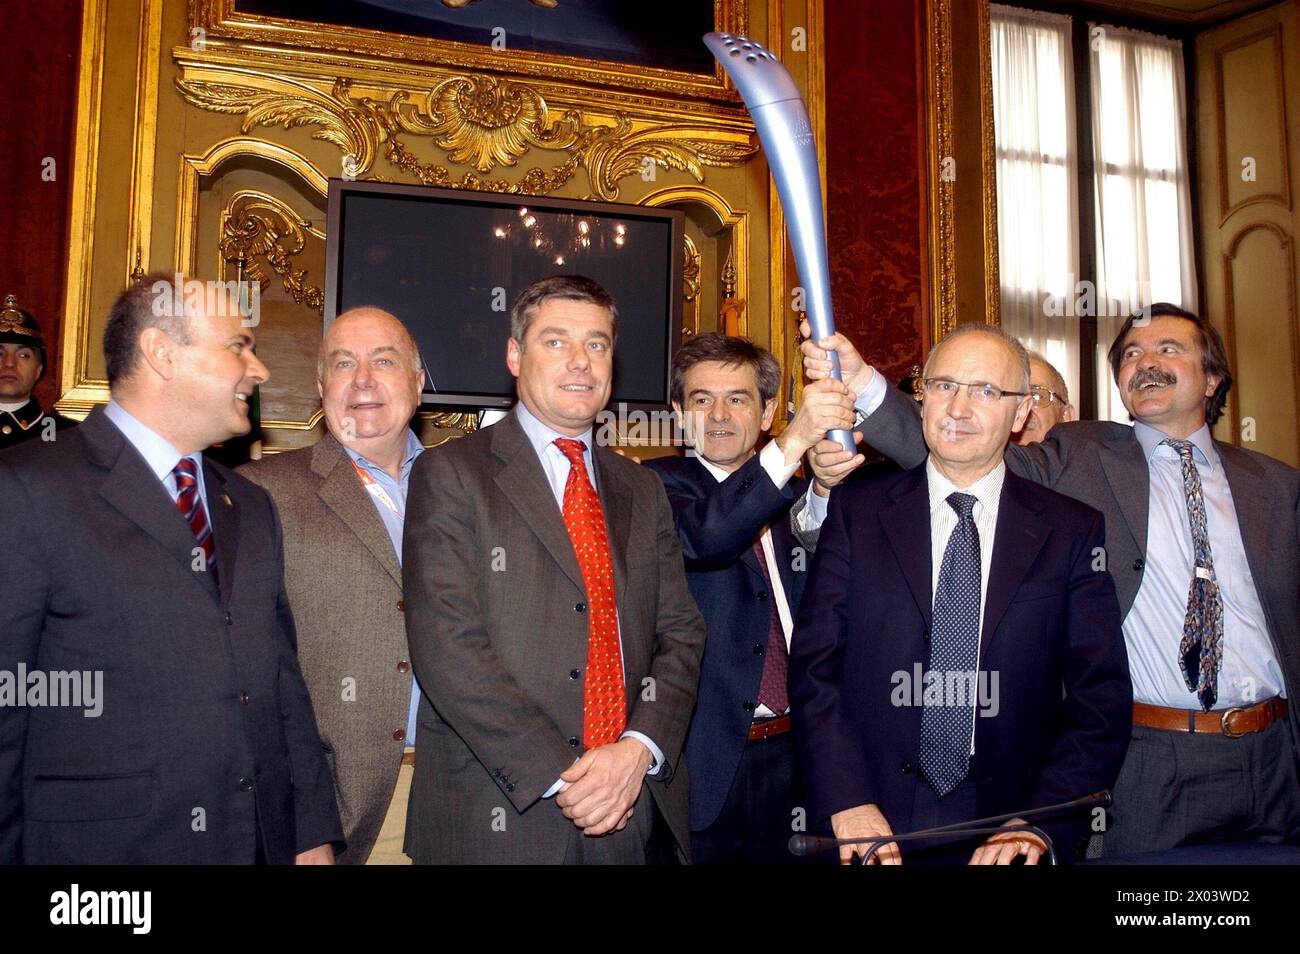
<point>1044,396</point>
<point>943,388</point>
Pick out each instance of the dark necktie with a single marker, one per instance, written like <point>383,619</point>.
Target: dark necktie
<point>1200,652</point>
<point>954,647</point>
<point>190,504</point>
<point>604,698</point>
<point>772,691</point>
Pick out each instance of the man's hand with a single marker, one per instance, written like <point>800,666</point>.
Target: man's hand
<point>320,855</point>
<point>1002,848</point>
<point>826,404</point>
<point>817,364</point>
<point>831,463</point>
<point>604,785</point>
<point>865,821</point>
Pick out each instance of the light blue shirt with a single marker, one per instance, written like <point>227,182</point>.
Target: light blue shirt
<point>556,466</point>
<point>396,490</point>
<point>1153,628</point>
<point>157,452</point>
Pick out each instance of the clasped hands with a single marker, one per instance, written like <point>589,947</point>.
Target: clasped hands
<point>867,821</point>
<point>602,786</point>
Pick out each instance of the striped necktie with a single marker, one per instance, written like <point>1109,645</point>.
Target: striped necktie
<point>190,504</point>
<point>1200,652</point>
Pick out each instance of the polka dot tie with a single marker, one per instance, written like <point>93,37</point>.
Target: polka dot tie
<point>954,647</point>
<point>1200,652</point>
<point>190,504</point>
<point>604,700</point>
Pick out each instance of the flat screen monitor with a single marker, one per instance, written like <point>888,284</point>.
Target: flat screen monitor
<point>449,263</point>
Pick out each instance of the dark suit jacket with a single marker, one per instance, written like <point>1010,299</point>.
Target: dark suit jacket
<point>1050,621</point>
<point>718,524</point>
<point>206,732</point>
<point>498,629</point>
<point>345,589</point>
<point>1101,463</point>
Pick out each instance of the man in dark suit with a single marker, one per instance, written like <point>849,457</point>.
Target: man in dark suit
<point>733,506</point>
<point>549,620</point>
<point>130,555</point>
<point>1203,539</point>
<point>949,606</point>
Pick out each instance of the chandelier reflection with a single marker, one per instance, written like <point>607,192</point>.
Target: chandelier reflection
<point>563,237</point>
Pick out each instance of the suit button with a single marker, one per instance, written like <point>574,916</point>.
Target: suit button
<point>759,649</point>
<point>762,596</point>
<point>748,706</point>
<point>496,773</point>
<point>246,784</point>
<point>580,607</point>
<point>925,637</point>
<point>573,741</point>
<point>401,606</point>
<point>403,666</point>
<point>1138,564</point>
<point>229,620</point>
<point>575,674</point>
<point>906,768</point>
<point>510,787</point>
<point>244,696</point>
<point>399,735</point>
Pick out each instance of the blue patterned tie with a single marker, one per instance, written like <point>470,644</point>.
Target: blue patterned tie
<point>1201,650</point>
<point>954,647</point>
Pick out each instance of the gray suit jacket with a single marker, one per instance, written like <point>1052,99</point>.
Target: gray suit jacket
<point>345,588</point>
<point>207,743</point>
<point>1102,464</point>
<point>498,629</point>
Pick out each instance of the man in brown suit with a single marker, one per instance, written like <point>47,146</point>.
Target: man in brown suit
<point>561,677</point>
<point>341,502</point>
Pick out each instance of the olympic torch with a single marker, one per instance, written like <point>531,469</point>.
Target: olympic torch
<point>781,119</point>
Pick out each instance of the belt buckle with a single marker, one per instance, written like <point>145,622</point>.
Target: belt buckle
<point>1223,722</point>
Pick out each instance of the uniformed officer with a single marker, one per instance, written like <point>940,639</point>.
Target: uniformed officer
<point>22,364</point>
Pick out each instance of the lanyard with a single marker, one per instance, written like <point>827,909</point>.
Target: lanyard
<point>376,491</point>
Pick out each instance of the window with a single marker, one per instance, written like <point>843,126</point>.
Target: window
<point>1094,204</point>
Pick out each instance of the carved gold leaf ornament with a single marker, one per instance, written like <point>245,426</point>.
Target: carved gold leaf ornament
<point>265,228</point>
<point>480,121</point>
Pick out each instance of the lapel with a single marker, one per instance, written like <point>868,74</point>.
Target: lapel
<point>130,487</point>
<point>1019,535</point>
<point>1250,501</point>
<point>706,484</point>
<point>1125,468</point>
<point>616,497</point>
<point>341,491</point>
<point>523,482</point>
<point>907,527</point>
<point>224,516</point>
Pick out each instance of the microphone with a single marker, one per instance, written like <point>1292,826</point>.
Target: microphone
<point>779,115</point>
<point>804,845</point>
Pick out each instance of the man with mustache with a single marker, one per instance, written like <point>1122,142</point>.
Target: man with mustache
<point>1051,401</point>
<point>947,608</point>
<point>1203,539</point>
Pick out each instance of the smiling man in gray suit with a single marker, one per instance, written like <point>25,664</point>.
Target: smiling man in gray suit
<point>549,620</point>
<point>342,503</point>
<point>1203,539</point>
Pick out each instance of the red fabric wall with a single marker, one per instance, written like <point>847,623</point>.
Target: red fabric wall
<point>874,210</point>
<point>38,74</point>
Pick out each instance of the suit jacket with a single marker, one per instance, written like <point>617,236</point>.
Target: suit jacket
<point>28,423</point>
<point>498,629</point>
<point>345,588</point>
<point>206,734</point>
<point>718,524</point>
<point>1102,464</point>
<point>1050,620</point>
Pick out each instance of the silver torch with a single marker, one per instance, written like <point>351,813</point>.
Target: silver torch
<point>786,135</point>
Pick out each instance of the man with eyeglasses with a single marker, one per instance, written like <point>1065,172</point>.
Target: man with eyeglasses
<point>1051,401</point>
<point>1203,539</point>
<point>948,606</point>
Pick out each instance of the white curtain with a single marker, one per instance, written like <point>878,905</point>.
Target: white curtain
<point>1038,222</point>
<point>1144,209</point>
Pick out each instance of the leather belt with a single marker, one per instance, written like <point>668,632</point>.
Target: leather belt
<point>1233,723</point>
<point>767,728</point>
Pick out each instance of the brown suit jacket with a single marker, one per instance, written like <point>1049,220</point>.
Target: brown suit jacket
<point>498,629</point>
<point>345,589</point>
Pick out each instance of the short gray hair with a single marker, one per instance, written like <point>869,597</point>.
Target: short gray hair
<point>992,331</point>
<point>570,287</point>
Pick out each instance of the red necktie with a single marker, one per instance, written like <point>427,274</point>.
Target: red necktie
<point>772,691</point>
<point>604,700</point>
<point>190,504</point>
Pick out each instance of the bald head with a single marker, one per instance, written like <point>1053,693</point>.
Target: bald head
<point>370,318</point>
